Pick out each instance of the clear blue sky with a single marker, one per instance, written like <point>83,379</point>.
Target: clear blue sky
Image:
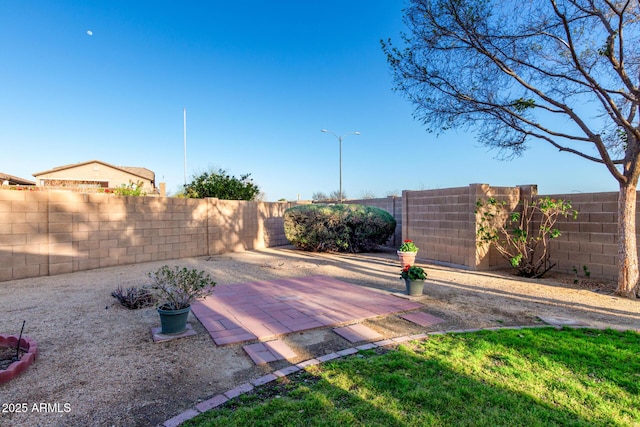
<point>259,79</point>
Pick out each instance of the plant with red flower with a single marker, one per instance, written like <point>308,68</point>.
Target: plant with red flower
<point>408,246</point>
<point>413,272</point>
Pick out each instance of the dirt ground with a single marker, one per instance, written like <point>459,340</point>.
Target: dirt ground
<point>99,366</point>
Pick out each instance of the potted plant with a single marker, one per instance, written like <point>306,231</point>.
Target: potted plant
<point>407,253</point>
<point>414,278</point>
<point>177,288</point>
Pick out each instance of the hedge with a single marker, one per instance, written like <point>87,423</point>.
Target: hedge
<point>338,228</point>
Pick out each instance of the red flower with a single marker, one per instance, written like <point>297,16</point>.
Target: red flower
<point>408,241</point>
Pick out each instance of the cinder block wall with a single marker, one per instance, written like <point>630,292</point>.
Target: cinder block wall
<point>391,204</point>
<point>591,240</point>
<point>24,234</point>
<point>244,225</point>
<point>441,223</point>
<point>55,232</point>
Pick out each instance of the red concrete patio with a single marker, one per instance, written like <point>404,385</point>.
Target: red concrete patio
<point>263,310</point>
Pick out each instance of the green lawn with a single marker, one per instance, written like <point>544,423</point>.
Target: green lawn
<point>530,377</point>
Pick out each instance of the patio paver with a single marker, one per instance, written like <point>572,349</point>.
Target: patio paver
<point>264,310</point>
<point>357,333</point>
<point>561,321</point>
<point>421,318</point>
<point>271,351</point>
<point>158,336</point>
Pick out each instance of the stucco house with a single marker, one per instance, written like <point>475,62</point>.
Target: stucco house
<point>96,174</point>
<point>6,179</point>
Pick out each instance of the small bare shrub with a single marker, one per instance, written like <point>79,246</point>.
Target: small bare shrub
<point>134,297</point>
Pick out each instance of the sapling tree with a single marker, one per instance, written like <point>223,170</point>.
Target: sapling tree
<point>563,72</point>
<point>522,237</point>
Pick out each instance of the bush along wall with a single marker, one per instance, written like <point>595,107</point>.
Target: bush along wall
<point>338,228</point>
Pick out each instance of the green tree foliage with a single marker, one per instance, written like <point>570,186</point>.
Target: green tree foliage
<point>338,228</point>
<point>223,186</point>
<point>563,72</point>
<point>522,237</point>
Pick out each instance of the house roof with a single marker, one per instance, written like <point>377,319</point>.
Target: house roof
<point>134,170</point>
<point>15,180</point>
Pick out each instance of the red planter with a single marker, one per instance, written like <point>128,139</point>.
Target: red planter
<point>27,345</point>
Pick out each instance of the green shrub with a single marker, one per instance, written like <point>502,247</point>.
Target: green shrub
<point>133,189</point>
<point>338,228</point>
<point>222,185</point>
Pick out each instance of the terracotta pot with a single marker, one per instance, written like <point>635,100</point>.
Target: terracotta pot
<point>407,258</point>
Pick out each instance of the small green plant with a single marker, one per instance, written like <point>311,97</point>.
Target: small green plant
<point>134,297</point>
<point>585,271</point>
<point>130,189</point>
<point>413,272</point>
<point>522,237</point>
<point>408,246</point>
<point>179,287</point>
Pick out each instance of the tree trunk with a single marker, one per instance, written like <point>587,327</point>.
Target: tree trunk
<point>628,274</point>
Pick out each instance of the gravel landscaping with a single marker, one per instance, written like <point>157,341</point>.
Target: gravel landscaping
<point>98,365</point>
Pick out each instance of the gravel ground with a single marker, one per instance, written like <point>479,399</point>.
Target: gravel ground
<point>99,366</point>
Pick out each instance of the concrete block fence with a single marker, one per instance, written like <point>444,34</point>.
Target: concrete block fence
<point>591,240</point>
<point>443,224</point>
<point>54,232</point>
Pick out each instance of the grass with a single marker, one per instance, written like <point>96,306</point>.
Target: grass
<point>529,377</point>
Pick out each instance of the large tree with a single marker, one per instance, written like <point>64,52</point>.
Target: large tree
<point>561,71</point>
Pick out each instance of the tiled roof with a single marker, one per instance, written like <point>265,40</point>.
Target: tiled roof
<point>139,171</point>
<point>143,172</point>
<point>15,180</point>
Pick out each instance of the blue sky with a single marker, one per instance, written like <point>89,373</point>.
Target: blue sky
<point>259,79</point>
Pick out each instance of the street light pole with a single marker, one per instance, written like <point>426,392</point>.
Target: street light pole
<point>339,138</point>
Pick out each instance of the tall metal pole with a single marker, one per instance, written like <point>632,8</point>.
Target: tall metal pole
<point>185,147</point>
<point>340,146</point>
<point>340,143</point>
